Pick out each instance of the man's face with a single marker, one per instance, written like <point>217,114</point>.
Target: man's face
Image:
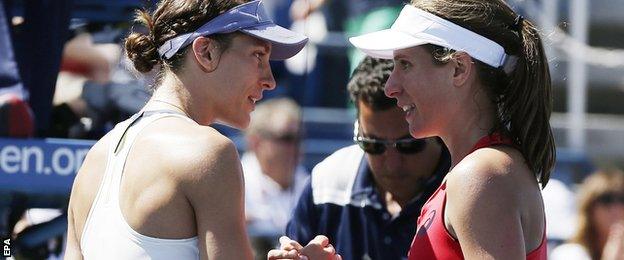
<point>278,149</point>
<point>394,171</point>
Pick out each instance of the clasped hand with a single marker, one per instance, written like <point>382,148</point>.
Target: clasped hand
<point>319,248</point>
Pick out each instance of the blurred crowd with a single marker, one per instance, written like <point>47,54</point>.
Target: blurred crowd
<point>68,78</point>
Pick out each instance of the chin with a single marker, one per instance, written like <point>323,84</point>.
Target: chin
<point>238,123</point>
<point>243,125</point>
<point>416,132</point>
<point>420,132</point>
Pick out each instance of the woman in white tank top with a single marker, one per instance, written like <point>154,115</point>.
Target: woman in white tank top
<point>163,184</point>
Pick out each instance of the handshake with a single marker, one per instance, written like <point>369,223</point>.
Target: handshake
<point>319,248</point>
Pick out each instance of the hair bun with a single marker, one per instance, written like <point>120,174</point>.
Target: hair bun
<point>142,51</point>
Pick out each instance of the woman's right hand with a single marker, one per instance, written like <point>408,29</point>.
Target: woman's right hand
<point>319,248</point>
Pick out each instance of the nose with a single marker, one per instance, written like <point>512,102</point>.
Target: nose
<point>392,88</point>
<point>392,159</point>
<point>268,82</point>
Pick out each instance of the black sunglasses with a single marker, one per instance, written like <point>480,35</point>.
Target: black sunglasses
<point>610,198</point>
<point>374,146</point>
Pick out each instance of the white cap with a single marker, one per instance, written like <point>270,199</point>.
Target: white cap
<point>415,27</point>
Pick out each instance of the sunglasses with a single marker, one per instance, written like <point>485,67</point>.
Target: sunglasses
<point>408,145</point>
<point>610,198</point>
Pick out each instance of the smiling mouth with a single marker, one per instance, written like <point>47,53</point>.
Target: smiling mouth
<point>254,100</point>
<point>408,108</point>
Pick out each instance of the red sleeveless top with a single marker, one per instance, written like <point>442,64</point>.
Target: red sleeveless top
<point>433,241</point>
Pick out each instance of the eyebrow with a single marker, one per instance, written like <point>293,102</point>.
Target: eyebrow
<point>400,56</point>
<point>266,45</point>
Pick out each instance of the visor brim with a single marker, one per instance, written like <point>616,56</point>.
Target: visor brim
<point>285,43</point>
<point>382,44</point>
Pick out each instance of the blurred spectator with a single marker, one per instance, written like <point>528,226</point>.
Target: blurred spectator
<point>362,16</point>
<point>600,232</point>
<point>329,72</point>
<point>10,81</point>
<point>16,118</point>
<point>40,234</point>
<point>94,61</point>
<point>87,96</point>
<point>367,198</point>
<point>273,176</point>
<point>38,41</point>
<point>560,210</point>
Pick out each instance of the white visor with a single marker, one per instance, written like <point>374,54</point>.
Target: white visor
<point>415,27</point>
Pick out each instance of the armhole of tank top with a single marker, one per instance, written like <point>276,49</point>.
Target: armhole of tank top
<point>446,230</point>
<point>109,159</point>
<point>543,241</point>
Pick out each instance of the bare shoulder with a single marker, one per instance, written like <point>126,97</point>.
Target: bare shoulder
<point>209,174</point>
<point>492,190</point>
<point>491,172</point>
<point>93,167</point>
<point>198,150</point>
<point>193,153</point>
<point>492,182</point>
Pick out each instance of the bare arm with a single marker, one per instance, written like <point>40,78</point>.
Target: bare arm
<point>216,195</point>
<point>72,249</point>
<point>483,214</point>
<point>83,194</point>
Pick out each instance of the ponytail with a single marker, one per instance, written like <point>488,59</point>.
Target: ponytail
<point>526,104</point>
<point>522,94</point>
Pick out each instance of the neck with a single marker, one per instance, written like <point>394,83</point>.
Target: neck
<point>461,135</point>
<point>402,200</point>
<point>173,94</point>
<point>281,177</point>
<point>394,207</point>
<point>396,201</point>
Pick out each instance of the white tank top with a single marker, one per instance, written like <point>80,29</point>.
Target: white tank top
<point>106,233</point>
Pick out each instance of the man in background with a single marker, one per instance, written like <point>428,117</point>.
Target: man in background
<point>273,176</point>
<point>366,198</point>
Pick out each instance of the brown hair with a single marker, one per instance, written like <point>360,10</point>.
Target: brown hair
<point>367,84</point>
<point>170,19</point>
<point>523,96</point>
<point>599,183</point>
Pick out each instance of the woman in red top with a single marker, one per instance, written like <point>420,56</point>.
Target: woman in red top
<point>474,73</point>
